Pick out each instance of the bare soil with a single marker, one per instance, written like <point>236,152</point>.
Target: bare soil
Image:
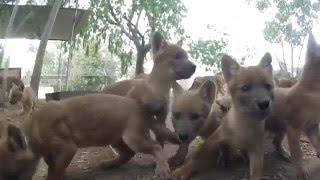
<point>86,164</point>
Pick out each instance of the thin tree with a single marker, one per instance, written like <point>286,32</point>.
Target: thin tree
<point>35,79</point>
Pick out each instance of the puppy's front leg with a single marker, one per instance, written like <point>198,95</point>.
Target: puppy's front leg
<point>256,162</point>
<point>201,157</point>
<point>180,156</point>
<point>294,135</point>
<point>140,141</point>
<point>124,155</point>
<point>29,171</point>
<point>163,134</point>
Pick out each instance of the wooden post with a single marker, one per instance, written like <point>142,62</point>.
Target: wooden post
<point>35,78</point>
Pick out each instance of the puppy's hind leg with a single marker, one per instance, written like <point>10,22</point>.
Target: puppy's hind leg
<point>124,155</point>
<point>294,135</point>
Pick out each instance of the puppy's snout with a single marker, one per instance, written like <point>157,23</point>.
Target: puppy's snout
<point>263,105</point>
<point>192,68</point>
<point>183,137</point>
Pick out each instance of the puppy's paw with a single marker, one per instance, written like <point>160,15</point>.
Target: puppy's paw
<point>284,155</point>
<point>163,171</point>
<point>180,174</point>
<point>223,161</point>
<point>184,172</point>
<point>175,161</point>
<point>111,164</point>
<point>303,174</point>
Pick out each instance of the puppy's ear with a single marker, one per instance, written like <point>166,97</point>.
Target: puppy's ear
<point>16,139</point>
<point>312,46</point>
<point>229,67</point>
<point>158,43</point>
<point>266,62</point>
<point>208,91</point>
<point>180,43</point>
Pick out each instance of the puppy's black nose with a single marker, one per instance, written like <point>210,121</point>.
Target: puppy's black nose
<point>193,68</point>
<point>263,105</point>
<point>183,137</point>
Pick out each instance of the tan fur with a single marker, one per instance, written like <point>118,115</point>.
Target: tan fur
<point>297,110</point>
<point>195,102</point>
<point>152,91</point>
<point>285,82</point>
<point>251,91</point>
<point>58,129</point>
<point>217,79</point>
<point>27,98</point>
<point>12,80</point>
<point>17,161</point>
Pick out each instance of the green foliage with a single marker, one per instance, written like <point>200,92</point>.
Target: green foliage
<point>50,64</point>
<point>92,72</point>
<point>125,26</point>
<point>290,25</point>
<point>208,52</point>
<point>86,72</point>
<point>292,21</point>
<point>7,1</point>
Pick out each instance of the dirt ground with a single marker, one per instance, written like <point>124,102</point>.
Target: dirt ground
<point>85,165</point>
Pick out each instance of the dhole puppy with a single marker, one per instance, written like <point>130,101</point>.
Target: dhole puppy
<point>217,79</point>
<point>58,129</point>
<point>195,114</point>
<point>12,80</point>
<point>251,91</point>
<point>152,90</point>
<point>26,97</point>
<point>297,110</point>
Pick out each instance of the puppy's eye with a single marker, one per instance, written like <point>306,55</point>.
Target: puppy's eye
<point>246,88</point>
<point>268,87</point>
<point>178,56</point>
<point>195,116</point>
<point>176,115</point>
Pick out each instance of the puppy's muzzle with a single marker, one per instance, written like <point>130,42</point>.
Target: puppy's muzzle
<point>263,105</point>
<point>183,137</point>
<point>186,71</point>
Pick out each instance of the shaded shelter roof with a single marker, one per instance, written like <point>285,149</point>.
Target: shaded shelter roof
<point>30,21</point>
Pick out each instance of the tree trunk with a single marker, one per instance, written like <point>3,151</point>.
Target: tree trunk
<point>35,78</point>
<point>284,59</point>
<point>141,54</point>
<point>292,65</point>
